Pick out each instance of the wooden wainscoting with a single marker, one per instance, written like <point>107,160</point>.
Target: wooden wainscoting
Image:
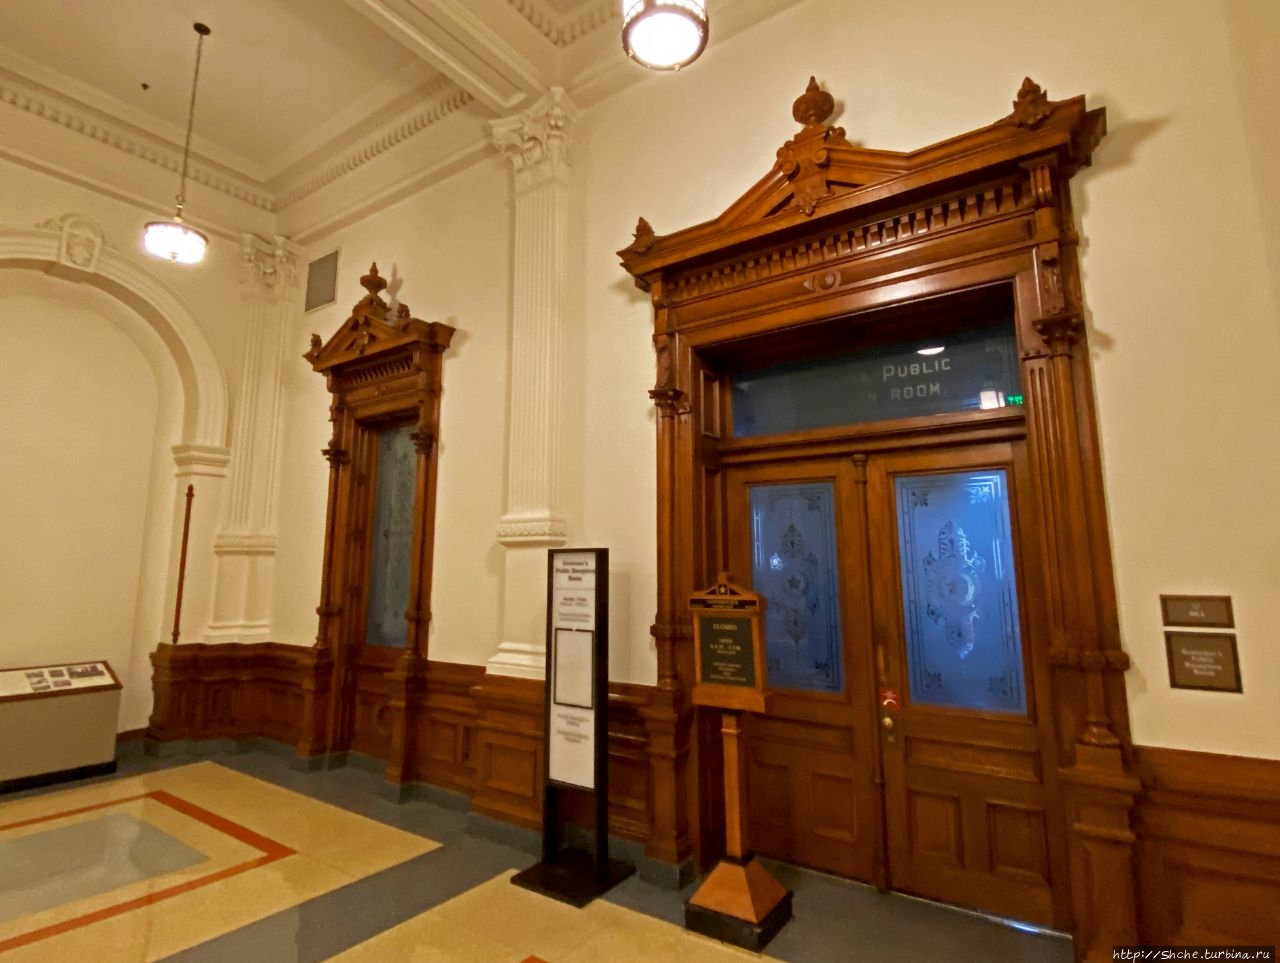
<point>221,691</point>
<point>476,734</point>
<point>1208,831</point>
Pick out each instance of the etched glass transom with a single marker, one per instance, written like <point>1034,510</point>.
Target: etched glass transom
<point>967,370</point>
<point>959,591</point>
<point>793,548</point>
<point>392,543</point>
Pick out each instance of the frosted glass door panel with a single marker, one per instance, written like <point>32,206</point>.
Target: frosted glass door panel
<point>392,539</point>
<point>793,557</point>
<point>959,595</point>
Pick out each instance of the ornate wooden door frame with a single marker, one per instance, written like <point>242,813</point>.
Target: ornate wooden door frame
<point>832,230</point>
<point>377,369</point>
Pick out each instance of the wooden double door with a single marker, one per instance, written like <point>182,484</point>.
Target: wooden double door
<point>908,742</point>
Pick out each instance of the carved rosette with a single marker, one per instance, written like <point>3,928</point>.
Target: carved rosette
<point>81,241</point>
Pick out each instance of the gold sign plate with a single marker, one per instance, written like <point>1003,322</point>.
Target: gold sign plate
<point>1202,611</point>
<point>1203,660</point>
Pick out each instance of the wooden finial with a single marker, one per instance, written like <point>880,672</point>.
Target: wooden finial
<point>814,106</point>
<point>373,282</point>
<point>1032,104</point>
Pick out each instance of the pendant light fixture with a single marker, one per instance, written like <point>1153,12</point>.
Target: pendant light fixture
<point>664,34</point>
<point>174,240</point>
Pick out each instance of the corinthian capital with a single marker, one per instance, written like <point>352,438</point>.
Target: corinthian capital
<point>268,269</point>
<point>536,141</point>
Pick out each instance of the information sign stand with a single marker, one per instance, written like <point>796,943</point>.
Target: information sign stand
<point>577,738</point>
<point>739,902</point>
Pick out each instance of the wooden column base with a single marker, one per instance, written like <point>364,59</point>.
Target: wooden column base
<point>739,903</point>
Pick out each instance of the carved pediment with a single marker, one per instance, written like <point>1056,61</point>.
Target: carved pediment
<point>819,173</point>
<point>370,330</point>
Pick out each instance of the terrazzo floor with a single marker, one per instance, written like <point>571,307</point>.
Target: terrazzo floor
<point>236,856</point>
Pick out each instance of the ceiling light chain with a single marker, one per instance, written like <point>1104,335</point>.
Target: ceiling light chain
<point>203,32</point>
<point>174,240</point>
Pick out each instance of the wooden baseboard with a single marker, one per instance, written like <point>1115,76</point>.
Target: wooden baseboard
<point>1208,830</point>
<point>474,733</point>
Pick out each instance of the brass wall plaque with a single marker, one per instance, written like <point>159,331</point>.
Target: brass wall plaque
<point>1203,660</point>
<point>1205,611</point>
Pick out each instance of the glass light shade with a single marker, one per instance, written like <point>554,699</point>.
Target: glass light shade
<point>175,242</point>
<point>664,34</point>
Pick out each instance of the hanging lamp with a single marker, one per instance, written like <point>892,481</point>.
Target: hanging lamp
<point>664,34</point>
<point>174,240</point>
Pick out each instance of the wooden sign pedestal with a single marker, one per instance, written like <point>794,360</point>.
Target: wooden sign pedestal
<point>739,902</point>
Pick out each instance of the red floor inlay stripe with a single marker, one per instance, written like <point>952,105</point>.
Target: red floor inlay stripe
<point>270,849</point>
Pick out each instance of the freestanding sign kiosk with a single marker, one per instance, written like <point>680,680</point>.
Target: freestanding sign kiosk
<point>739,902</point>
<point>577,735</point>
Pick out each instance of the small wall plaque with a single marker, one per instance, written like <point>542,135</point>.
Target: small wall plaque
<point>1202,611</point>
<point>1203,660</point>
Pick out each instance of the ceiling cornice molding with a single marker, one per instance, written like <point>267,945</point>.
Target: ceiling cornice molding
<point>31,97</point>
<point>292,163</point>
<point>450,98</point>
<point>561,30</point>
<point>338,213</point>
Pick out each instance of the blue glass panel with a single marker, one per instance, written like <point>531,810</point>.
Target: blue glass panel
<point>390,561</point>
<point>959,597</point>
<point>793,549</point>
<point>964,371</point>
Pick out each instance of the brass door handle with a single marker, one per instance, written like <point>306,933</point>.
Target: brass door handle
<point>886,722</point>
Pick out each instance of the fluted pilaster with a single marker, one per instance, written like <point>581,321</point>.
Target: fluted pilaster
<point>246,544</point>
<point>537,145</point>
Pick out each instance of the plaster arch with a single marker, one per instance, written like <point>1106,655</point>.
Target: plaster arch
<point>73,246</point>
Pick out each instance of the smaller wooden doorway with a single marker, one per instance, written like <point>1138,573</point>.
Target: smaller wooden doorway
<point>385,378</point>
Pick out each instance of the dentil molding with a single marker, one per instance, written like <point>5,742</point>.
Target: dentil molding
<point>341,158</point>
<point>561,30</point>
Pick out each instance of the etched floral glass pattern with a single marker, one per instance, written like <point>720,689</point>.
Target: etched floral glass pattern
<point>392,539</point>
<point>959,592</point>
<point>793,547</point>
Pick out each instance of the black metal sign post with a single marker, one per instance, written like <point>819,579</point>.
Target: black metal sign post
<point>576,748</point>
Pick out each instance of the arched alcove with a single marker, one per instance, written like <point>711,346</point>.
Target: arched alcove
<point>73,274</point>
<point>74,248</point>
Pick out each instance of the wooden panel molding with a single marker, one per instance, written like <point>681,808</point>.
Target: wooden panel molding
<point>228,690</point>
<point>475,734</point>
<point>1208,830</point>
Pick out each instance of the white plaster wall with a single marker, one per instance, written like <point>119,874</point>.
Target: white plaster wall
<point>449,249</point>
<point>79,429</point>
<point>210,289</point>
<point>127,593</point>
<point>1182,322</point>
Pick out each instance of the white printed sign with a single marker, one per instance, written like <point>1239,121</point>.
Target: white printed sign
<point>572,722</point>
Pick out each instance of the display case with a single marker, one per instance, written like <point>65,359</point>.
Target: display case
<point>59,723</point>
